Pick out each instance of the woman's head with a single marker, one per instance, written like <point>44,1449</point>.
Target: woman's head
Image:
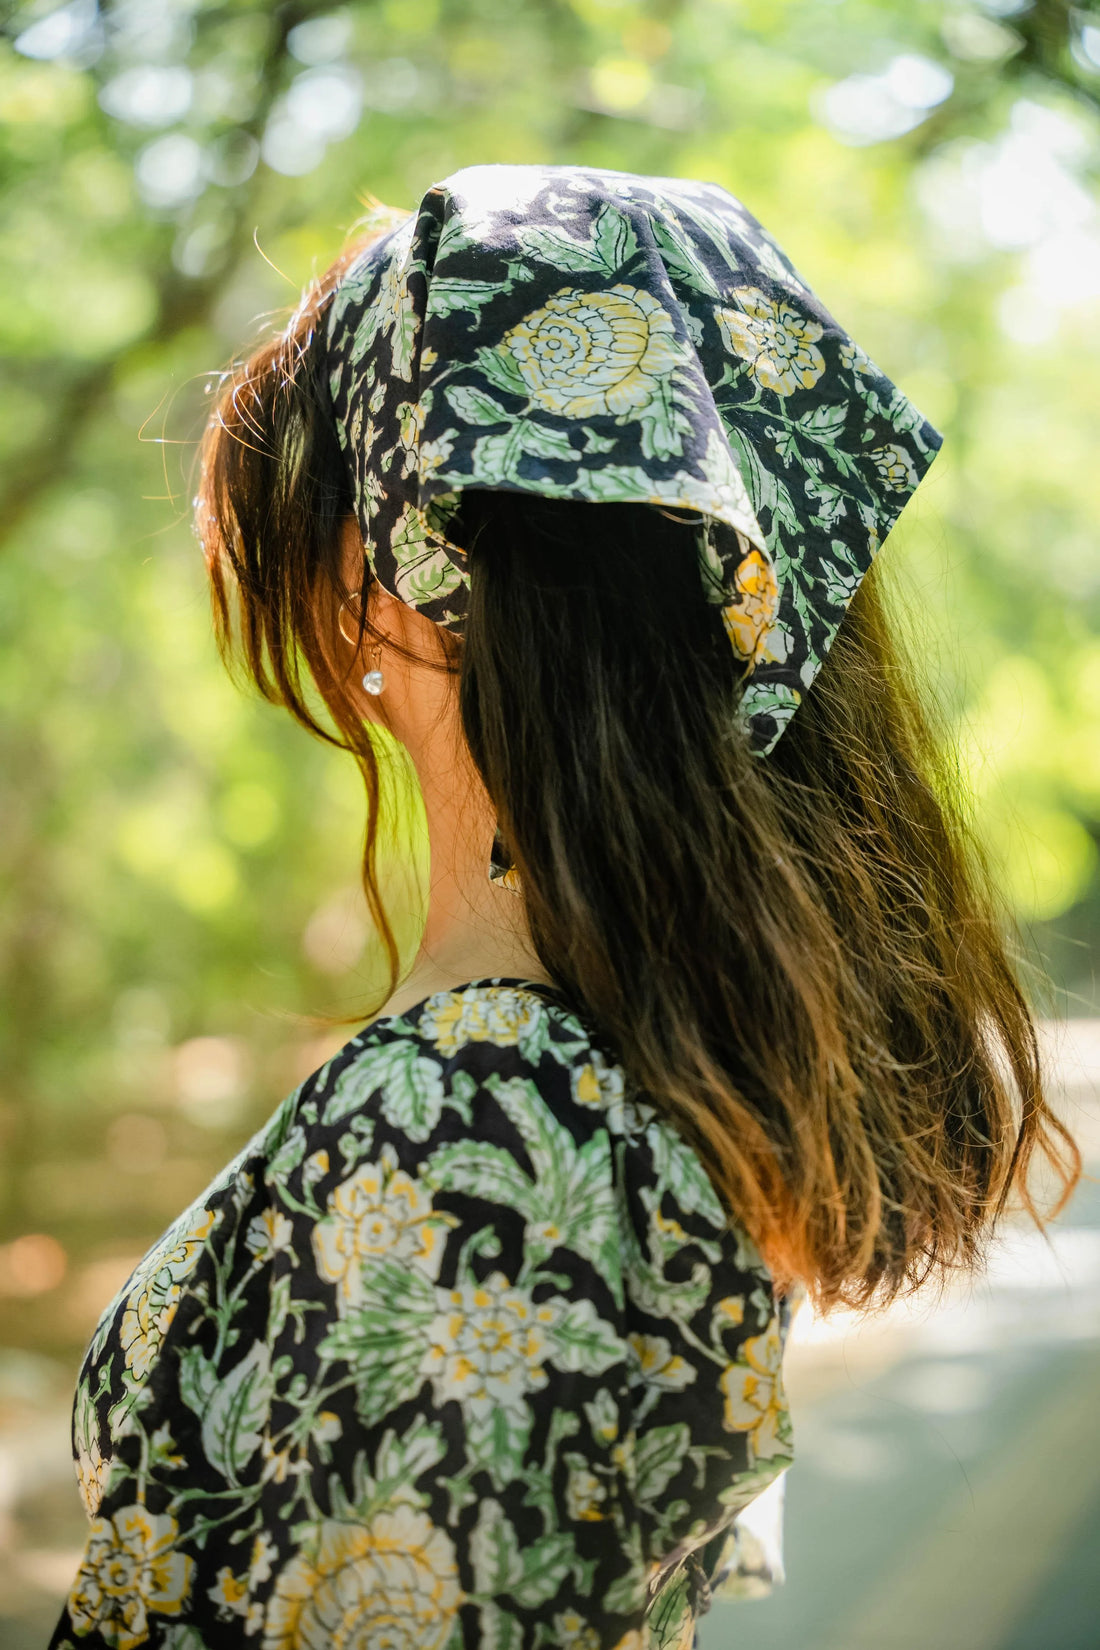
<point>799,957</point>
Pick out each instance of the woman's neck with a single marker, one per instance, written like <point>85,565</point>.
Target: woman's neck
<point>475,928</point>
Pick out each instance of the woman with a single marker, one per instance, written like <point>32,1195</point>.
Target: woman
<point>569,482</point>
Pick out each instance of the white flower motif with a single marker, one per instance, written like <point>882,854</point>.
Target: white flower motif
<point>488,1344</point>
<point>268,1233</point>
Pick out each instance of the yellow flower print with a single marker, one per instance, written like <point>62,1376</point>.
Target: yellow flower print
<point>895,467</point>
<point>434,454</point>
<point>454,1018</point>
<point>583,1494</point>
<point>657,1365</point>
<point>488,1345</point>
<point>584,354</point>
<point>264,1551</point>
<point>130,1569</point>
<point>749,620</point>
<point>755,1401</point>
<point>229,1593</point>
<point>777,342</point>
<point>598,1083</point>
<point>732,1308</point>
<point>277,1465</point>
<point>668,1228</point>
<point>411,419</point>
<point>572,1632</point>
<point>155,1290</point>
<point>391,1582</point>
<point>586,1085</point>
<point>380,1210</point>
<point>93,1468</point>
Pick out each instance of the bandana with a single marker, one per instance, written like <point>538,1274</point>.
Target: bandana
<point>594,335</point>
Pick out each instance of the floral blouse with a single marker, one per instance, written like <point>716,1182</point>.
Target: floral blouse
<point>460,1350</point>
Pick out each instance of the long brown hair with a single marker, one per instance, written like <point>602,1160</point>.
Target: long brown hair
<point>801,959</point>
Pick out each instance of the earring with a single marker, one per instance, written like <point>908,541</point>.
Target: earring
<point>373,681</point>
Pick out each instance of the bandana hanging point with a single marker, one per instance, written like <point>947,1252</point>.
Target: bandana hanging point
<point>593,335</point>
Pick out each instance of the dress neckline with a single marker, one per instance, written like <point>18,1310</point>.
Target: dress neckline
<point>480,982</point>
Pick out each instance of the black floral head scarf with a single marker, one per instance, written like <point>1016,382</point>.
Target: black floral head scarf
<point>594,335</point>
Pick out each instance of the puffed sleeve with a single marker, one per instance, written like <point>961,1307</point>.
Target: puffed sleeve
<point>424,1381</point>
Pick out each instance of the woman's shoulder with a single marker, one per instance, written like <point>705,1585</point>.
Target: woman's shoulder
<point>407,1071</point>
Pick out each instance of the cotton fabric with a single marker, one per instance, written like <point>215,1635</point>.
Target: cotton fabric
<point>460,1350</point>
<point>591,334</point>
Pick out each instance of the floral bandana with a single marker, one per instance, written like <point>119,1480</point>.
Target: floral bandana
<point>590,334</point>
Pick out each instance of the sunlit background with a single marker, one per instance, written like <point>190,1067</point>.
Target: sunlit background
<point>180,861</point>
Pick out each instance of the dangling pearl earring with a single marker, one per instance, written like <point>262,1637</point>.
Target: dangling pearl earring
<point>373,681</point>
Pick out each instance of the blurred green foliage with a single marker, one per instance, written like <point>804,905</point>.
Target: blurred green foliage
<point>180,861</point>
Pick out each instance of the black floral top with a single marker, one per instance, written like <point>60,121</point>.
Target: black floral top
<point>460,1350</point>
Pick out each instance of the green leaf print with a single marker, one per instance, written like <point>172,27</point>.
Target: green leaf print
<point>646,1283</point>
<point>658,1457</point>
<point>543,441</point>
<point>824,424</point>
<point>681,1172</point>
<point>546,1563</point>
<point>499,367</point>
<point>760,700</point>
<point>483,1171</point>
<point>615,242</point>
<point>765,490</point>
<point>279,1308</point>
<point>475,406</point>
<point>627,1593</point>
<point>499,1630</point>
<point>448,293</point>
<point>384,1354</point>
<point>680,260</point>
<point>182,1637</point>
<point>594,443</point>
<point>411,1088</point>
<point>663,425</point>
<point>432,576</point>
<point>405,327</point>
<point>493,1551</point>
<point>237,1413</point>
<point>583,1342</point>
<point>572,1199</point>
<point>496,1439</point>
<point>563,251</point>
<point>495,457</point>
<point>287,1158</point>
<point>399,1461</point>
<point>198,1378</point>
